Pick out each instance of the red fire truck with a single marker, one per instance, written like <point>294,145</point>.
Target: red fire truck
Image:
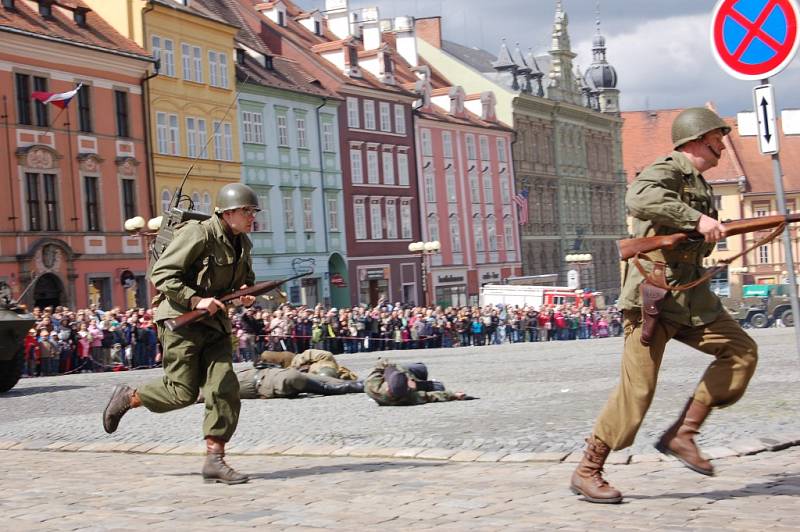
<point>536,296</point>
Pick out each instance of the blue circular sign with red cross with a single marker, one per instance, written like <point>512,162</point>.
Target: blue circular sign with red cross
<point>754,39</point>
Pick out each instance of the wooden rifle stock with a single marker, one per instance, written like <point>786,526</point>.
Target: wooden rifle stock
<point>256,290</point>
<point>630,247</point>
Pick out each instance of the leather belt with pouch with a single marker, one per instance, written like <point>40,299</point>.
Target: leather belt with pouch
<point>652,296</point>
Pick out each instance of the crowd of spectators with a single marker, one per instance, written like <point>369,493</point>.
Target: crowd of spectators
<point>89,340</point>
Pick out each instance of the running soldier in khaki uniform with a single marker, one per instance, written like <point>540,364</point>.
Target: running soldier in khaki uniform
<point>205,261</point>
<point>669,196</point>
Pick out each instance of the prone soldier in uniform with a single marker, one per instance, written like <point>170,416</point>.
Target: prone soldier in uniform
<point>205,261</point>
<point>274,382</point>
<point>395,385</point>
<point>309,361</point>
<point>670,196</point>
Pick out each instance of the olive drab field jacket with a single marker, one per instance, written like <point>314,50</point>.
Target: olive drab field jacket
<point>669,196</point>
<point>201,261</point>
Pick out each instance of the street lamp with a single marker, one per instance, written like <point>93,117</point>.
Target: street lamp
<point>578,260</point>
<point>424,248</point>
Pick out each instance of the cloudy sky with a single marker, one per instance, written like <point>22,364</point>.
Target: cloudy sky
<point>660,48</point>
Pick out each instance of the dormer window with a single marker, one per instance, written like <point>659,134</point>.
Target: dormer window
<point>240,56</point>
<point>268,62</point>
<point>281,18</point>
<point>352,56</point>
<point>8,4</point>
<point>318,27</point>
<point>45,8</point>
<point>275,11</point>
<point>79,15</point>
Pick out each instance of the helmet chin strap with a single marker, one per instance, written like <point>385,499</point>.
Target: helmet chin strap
<point>712,150</point>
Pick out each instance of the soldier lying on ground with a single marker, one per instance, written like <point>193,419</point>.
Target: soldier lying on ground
<point>272,382</point>
<point>395,385</point>
<point>309,361</point>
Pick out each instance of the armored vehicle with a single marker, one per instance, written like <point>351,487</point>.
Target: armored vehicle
<point>15,322</point>
<point>761,306</point>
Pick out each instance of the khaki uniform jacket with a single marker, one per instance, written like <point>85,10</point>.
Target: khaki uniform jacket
<point>669,196</point>
<point>201,261</point>
<point>378,390</point>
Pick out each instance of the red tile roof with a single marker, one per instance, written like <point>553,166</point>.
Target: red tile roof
<point>61,26</point>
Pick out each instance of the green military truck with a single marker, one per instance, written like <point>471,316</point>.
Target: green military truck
<point>761,305</point>
<point>14,325</point>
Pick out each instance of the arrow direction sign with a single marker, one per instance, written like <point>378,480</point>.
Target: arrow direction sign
<point>764,105</point>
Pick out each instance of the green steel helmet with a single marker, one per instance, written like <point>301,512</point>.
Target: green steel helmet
<point>235,196</point>
<point>693,123</point>
<point>328,371</point>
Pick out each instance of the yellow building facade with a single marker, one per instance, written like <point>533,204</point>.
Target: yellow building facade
<point>191,111</point>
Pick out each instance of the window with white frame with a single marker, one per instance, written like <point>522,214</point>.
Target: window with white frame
<point>477,228</point>
<point>405,220</point>
<point>217,69</point>
<point>191,137</point>
<point>327,137</point>
<point>509,232</point>
<point>222,73</point>
<point>388,167</point>
<point>308,213</point>
<point>263,222</point>
<point>447,144</point>
<point>433,227</point>
<point>352,113</point>
<point>399,119</point>
<point>300,124</point>
<point>218,147</point>
<point>162,133</point>
<point>760,209</point>
<point>474,186</point>
<point>227,135</point>
<point>288,212</point>
<point>192,63</point>
<point>166,196</point>
<point>491,232</point>
<point>386,118</point>
<point>763,254</point>
<point>333,214</point>
<point>205,204</point>
<point>373,176</point>
<point>197,64</point>
<point>376,220</point>
<point>470,141</point>
<point>391,219</point>
<point>430,185</point>
<point>252,127</point>
<point>155,48</point>
<point>455,234</point>
<point>450,180</point>
<point>488,195</point>
<point>484,142</point>
<point>212,68</point>
<point>427,146</point>
<point>402,169</point>
<point>501,150</point>
<point>356,166</point>
<point>196,201</point>
<point>283,130</point>
<point>369,114</point>
<point>173,138</point>
<point>360,220</point>
<point>505,191</point>
<point>164,50</point>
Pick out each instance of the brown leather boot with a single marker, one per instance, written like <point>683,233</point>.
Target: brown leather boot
<point>215,469</point>
<point>587,480</point>
<point>123,398</point>
<point>678,441</point>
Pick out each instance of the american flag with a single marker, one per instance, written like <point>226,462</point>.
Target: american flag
<point>521,199</point>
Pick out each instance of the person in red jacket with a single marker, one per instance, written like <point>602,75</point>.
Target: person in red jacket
<point>32,354</point>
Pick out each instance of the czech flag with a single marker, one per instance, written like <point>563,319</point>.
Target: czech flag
<point>59,99</point>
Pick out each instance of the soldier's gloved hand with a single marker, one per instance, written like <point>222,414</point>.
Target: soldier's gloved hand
<point>211,304</point>
<point>711,229</point>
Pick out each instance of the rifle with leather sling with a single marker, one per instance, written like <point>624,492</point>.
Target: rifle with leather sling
<point>630,247</point>
<point>655,287</point>
<point>256,290</point>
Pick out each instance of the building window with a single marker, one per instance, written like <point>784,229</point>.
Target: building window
<point>196,137</point>
<point>85,109</point>
<point>128,198</point>
<point>501,150</point>
<point>717,202</point>
<point>433,227</point>
<point>252,127</point>
<point>197,63</point>
<point>352,113</point>
<point>34,206</point>
<point>165,200</point>
<point>42,115</point>
<point>488,195</point>
<point>263,221</point>
<point>174,141</point>
<point>405,220</point>
<point>376,222</point>
<point>391,220</point>
<point>301,132</point>
<point>386,119</point>
<point>447,144</point>
<point>23,83</point>
<point>760,209</point>
<point>191,137</point>
<point>356,171</point>
<point>402,169</point>
<point>477,228</point>
<point>327,137</point>
<point>333,214</point>
<point>373,176</point>
<point>388,168</point>
<point>484,148</point>
<point>121,108</point>
<point>283,131</point>
<point>369,114</point>
<point>470,140</point>
<point>360,220</point>
<point>186,55</point>
<point>212,68</point>
<point>491,232</point>
<point>399,119</point>
<point>161,132</point>
<point>192,63</point>
<point>430,186</point>
<point>164,51</point>
<point>763,254</point>
<point>474,186</point>
<point>308,214</point>
<point>223,70</point>
<point>455,234</point>
<point>450,179</point>
<point>427,146</point>
<point>505,191</point>
<point>509,232</point>
<point>288,212</point>
<point>217,141</point>
<point>92,205</point>
<point>50,202</point>
<point>34,195</point>
<point>205,206</point>
<point>228,138</point>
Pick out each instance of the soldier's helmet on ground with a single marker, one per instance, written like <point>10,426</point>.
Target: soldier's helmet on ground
<point>693,123</point>
<point>235,196</point>
<point>328,371</point>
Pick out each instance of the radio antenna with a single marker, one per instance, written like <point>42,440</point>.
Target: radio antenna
<point>176,199</point>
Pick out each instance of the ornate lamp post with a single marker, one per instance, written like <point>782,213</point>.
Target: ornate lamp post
<point>424,248</point>
<point>577,260</point>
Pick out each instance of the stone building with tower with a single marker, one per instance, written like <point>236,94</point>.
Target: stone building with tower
<point>567,153</point>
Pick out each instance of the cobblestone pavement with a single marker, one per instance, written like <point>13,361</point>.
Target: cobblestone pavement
<point>537,402</point>
<point>45,491</point>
